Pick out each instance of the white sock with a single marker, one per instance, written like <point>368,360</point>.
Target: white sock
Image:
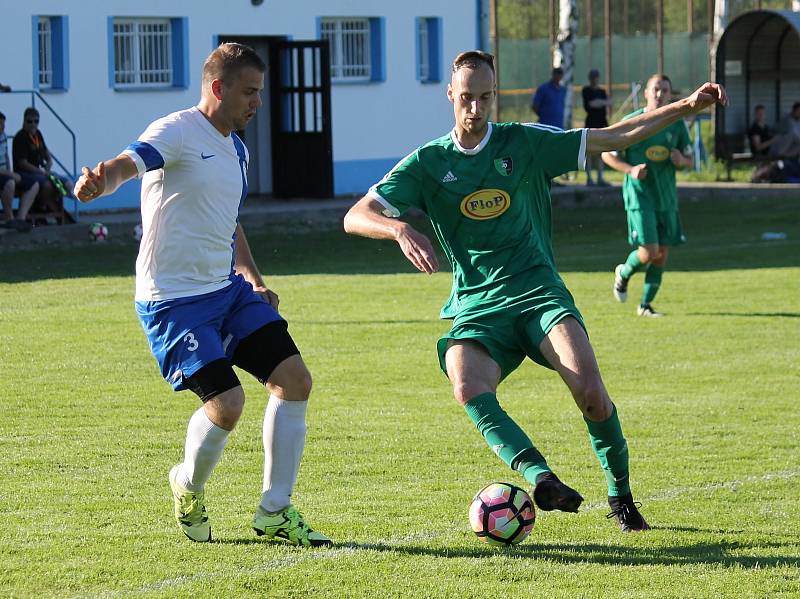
<point>284,437</point>
<point>204,444</point>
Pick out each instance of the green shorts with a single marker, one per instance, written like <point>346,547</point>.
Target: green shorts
<point>647,227</point>
<point>512,333</point>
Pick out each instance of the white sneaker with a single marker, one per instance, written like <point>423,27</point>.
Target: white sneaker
<point>620,285</point>
<point>648,312</point>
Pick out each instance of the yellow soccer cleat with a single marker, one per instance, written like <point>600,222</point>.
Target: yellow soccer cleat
<point>190,510</point>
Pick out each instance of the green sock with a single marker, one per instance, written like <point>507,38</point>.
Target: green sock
<point>505,437</point>
<point>612,450</point>
<point>652,281</point>
<point>632,265</point>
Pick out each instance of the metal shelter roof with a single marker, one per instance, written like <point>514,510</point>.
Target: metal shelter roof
<point>758,61</point>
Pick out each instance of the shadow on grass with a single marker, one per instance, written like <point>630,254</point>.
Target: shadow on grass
<point>748,314</point>
<point>330,323</point>
<point>729,554</point>
<point>699,553</point>
<point>586,239</point>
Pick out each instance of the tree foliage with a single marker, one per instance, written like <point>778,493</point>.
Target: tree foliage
<point>530,19</point>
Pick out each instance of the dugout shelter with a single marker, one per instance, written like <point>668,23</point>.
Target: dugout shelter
<point>758,62</point>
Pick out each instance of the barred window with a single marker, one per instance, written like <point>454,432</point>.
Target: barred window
<point>423,50</point>
<point>349,41</point>
<point>142,53</point>
<point>45,39</point>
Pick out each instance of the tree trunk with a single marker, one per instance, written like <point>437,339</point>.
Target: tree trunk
<point>721,11</point>
<point>564,51</point>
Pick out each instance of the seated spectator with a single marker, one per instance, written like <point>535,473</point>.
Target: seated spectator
<point>32,160</point>
<point>11,185</point>
<point>787,144</point>
<point>760,135</point>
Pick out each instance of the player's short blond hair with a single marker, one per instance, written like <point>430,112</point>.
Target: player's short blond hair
<point>228,59</point>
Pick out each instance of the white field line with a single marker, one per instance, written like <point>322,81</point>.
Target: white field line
<point>312,554</point>
<point>303,555</point>
<point>730,486</point>
<point>704,250</point>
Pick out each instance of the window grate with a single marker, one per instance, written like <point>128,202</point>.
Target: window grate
<point>142,53</point>
<point>423,48</point>
<point>45,53</point>
<point>349,43</point>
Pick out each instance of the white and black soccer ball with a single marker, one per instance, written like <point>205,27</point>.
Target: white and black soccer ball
<point>502,514</point>
<point>138,231</point>
<point>98,232</point>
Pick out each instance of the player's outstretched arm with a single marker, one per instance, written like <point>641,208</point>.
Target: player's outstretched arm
<point>366,218</point>
<point>245,265</point>
<point>105,178</point>
<point>630,131</point>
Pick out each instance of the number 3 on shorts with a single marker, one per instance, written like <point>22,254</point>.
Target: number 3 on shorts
<point>191,341</point>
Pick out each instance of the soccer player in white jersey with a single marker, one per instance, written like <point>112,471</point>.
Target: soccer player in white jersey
<point>199,295</point>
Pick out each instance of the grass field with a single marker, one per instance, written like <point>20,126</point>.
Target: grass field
<point>708,397</point>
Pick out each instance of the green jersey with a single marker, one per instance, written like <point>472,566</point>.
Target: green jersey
<point>490,209</point>
<point>657,191</point>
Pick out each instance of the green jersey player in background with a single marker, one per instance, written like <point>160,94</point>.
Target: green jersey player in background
<point>651,198</point>
<point>486,189</point>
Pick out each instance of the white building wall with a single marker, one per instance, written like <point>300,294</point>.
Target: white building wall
<point>374,124</point>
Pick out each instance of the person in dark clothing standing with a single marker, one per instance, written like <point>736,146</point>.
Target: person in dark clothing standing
<point>595,103</point>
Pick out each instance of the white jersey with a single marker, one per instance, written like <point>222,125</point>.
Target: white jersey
<point>194,180</point>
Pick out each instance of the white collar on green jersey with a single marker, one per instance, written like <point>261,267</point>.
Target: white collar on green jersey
<point>476,149</point>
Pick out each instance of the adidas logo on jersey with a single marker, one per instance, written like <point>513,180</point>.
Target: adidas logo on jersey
<point>449,177</point>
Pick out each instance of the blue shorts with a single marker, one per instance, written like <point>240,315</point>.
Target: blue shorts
<point>188,333</point>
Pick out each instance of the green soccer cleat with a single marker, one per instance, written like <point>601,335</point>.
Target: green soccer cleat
<point>190,510</point>
<point>288,524</point>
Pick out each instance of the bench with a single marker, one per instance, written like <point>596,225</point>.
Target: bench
<point>735,147</point>
<point>61,216</point>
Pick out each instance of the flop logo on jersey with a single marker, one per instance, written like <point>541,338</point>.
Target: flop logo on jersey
<point>657,153</point>
<point>485,204</point>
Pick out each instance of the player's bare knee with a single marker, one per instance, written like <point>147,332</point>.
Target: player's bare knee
<point>464,391</point>
<point>225,409</point>
<point>592,399</point>
<point>292,381</point>
<point>302,384</point>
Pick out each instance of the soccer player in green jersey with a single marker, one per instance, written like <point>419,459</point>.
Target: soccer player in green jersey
<point>651,198</point>
<point>486,189</point>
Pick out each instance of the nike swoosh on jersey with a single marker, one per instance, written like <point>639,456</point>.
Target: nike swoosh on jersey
<point>204,157</point>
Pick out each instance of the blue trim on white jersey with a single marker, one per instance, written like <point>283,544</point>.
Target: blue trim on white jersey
<point>150,156</point>
<point>242,153</point>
